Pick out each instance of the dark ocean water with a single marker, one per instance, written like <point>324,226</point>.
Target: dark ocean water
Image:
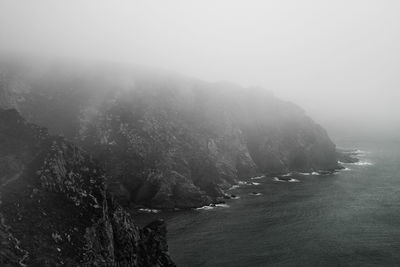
<point>351,218</point>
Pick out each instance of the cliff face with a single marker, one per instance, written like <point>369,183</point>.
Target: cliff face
<point>167,141</point>
<point>55,209</point>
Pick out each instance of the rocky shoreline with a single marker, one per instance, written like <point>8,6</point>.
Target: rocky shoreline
<point>166,141</point>
<point>127,139</point>
<point>251,181</point>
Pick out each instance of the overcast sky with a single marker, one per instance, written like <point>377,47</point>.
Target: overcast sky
<point>340,60</point>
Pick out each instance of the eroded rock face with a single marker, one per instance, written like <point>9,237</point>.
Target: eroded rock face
<point>167,141</point>
<point>55,209</point>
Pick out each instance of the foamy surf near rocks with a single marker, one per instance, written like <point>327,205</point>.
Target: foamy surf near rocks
<point>258,177</point>
<point>233,187</point>
<point>276,179</point>
<point>248,183</point>
<point>213,206</point>
<point>363,163</point>
<point>290,180</point>
<point>145,210</point>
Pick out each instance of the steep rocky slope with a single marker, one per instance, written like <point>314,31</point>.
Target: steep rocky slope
<point>55,209</point>
<point>167,141</point>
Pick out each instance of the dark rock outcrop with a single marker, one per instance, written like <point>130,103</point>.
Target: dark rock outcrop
<point>166,141</point>
<point>56,211</point>
<point>347,156</point>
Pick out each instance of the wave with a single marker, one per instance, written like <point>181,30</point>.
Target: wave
<point>291,180</point>
<point>205,208</point>
<point>276,179</point>
<point>363,163</point>
<point>233,187</point>
<point>353,151</point>
<point>311,173</point>
<point>149,210</point>
<point>359,163</point>
<point>247,183</point>
<point>257,177</point>
<point>213,206</point>
<point>255,194</point>
<point>359,151</point>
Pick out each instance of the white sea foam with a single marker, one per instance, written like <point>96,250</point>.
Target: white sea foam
<point>222,205</point>
<point>255,194</point>
<point>247,183</point>
<point>353,151</point>
<point>315,173</point>
<point>287,174</point>
<point>233,187</point>
<point>211,207</point>
<point>305,173</point>
<point>276,179</point>
<point>359,151</point>
<point>205,208</point>
<point>149,210</point>
<point>235,197</point>
<point>293,181</point>
<point>257,177</point>
<point>363,163</point>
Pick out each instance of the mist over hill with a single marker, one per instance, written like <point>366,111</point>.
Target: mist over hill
<point>164,139</point>
<point>258,133</point>
<point>338,60</point>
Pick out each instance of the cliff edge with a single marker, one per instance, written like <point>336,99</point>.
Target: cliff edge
<point>165,140</point>
<point>55,209</point>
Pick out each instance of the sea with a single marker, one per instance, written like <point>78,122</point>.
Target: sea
<point>349,218</point>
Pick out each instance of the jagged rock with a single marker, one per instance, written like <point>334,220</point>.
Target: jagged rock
<point>167,141</point>
<point>56,211</point>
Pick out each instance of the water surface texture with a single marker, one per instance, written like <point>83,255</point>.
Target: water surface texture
<point>347,219</point>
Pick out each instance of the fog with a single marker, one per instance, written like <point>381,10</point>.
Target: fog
<point>339,60</point>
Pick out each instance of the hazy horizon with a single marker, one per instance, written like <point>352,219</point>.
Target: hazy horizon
<point>338,60</point>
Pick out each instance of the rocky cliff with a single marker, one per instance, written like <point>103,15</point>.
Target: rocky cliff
<point>166,140</point>
<point>55,209</point>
